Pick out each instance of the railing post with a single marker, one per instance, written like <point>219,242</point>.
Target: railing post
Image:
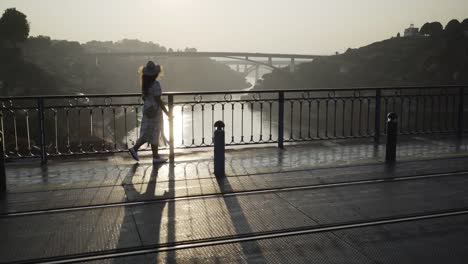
<point>281,120</point>
<point>378,99</point>
<point>392,131</point>
<point>219,149</point>
<point>42,138</point>
<point>461,110</point>
<point>171,127</point>
<point>3,184</point>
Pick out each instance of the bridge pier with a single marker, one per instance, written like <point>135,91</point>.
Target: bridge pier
<point>245,65</point>
<point>292,66</point>
<point>257,72</point>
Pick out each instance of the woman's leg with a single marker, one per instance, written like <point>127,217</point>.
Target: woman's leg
<point>138,144</point>
<point>154,148</point>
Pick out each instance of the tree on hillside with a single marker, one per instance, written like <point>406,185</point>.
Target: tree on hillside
<point>453,26</point>
<point>464,25</point>
<point>425,29</point>
<point>432,29</point>
<point>14,26</point>
<point>453,30</point>
<point>436,29</point>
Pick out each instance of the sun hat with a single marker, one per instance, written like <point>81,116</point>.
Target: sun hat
<point>151,69</point>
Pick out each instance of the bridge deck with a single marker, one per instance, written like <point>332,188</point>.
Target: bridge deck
<point>326,202</point>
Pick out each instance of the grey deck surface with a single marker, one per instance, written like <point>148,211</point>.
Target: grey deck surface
<point>331,193</point>
<point>414,242</point>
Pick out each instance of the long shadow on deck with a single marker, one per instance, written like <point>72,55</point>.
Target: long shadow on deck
<point>251,250</point>
<point>152,214</point>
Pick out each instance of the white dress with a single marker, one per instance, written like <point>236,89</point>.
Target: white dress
<point>152,126</point>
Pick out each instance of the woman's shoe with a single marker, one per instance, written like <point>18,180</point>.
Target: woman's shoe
<point>159,160</point>
<point>134,154</point>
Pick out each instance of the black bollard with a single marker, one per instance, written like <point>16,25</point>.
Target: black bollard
<point>219,149</point>
<point>392,130</point>
<point>2,169</point>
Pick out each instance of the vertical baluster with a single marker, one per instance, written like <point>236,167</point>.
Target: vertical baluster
<point>56,131</point>
<point>27,132</point>
<point>309,136</point>
<point>222,112</point>
<point>461,111</point>
<point>203,123</point>
<point>351,129</point>
<point>454,111</point>
<point>270,138</point>
<point>378,95</point>
<point>360,117</point>
<point>300,119</point>
<point>212,120</point>
<point>431,124</point>
<point>368,116</point>
<point>125,127</point>
<point>261,121</point>
<point>408,122</point>
<point>343,118</point>
<point>446,110</point>
<point>281,120</point>
<point>232,123</point>
<point>67,116</point>
<point>13,113</point>
<point>3,180</point>
<point>251,121</point>
<point>91,129</point>
<point>291,136</point>
<point>416,119</point>
<point>385,110</point>
<point>182,125</point>
<point>402,100</point>
<point>327,102</point>
<point>334,116</point>
<point>193,123</point>
<point>440,111</point>
<point>170,104</point>
<point>80,139</point>
<point>103,142</point>
<point>242,123</point>
<point>423,113</point>
<point>42,139</point>
<point>318,119</point>
<point>115,128</point>
<point>3,133</point>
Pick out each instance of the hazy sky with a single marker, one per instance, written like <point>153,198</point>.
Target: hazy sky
<point>292,26</point>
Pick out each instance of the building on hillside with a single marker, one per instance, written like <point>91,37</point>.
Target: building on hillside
<point>411,31</point>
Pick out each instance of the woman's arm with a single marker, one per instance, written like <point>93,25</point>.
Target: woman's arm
<point>161,104</point>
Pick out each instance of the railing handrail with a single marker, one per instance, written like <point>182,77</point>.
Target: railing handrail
<point>236,92</point>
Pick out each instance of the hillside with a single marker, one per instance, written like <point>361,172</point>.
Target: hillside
<point>42,66</point>
<point>419,60</point>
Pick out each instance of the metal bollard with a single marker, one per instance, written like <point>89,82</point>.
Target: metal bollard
<point>392,130</point>
<point>2,170</point>
<point>219,149</point>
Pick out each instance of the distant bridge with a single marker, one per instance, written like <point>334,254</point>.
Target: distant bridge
<point>250,61</point>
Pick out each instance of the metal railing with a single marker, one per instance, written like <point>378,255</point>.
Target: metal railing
<point>48,126</point>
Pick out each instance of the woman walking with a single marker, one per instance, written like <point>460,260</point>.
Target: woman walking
<point>152,122</point>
